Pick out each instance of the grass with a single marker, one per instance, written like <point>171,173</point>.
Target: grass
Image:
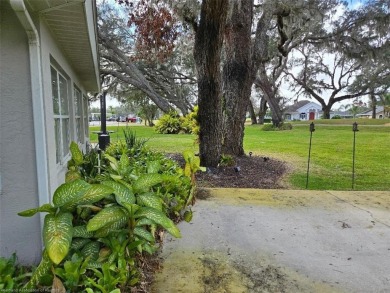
<point>167,143</point>
<point>331,152</point>
<point>361,121</point>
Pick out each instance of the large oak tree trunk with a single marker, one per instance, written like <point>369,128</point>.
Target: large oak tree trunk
<point>207,55</point>
<point>252,112</point>
<point>326,111</point>
<point>237,75</point>
<point>269,95</point>
<point>373,105</point>
<point>262,110</point>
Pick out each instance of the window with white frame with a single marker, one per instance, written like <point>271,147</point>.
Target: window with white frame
<point>61,114</point>
<point>78,114</point>
<point>302,116</point>
<point>85,115</point>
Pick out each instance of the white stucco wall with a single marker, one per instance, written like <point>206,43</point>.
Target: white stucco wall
<point>18,175</point>
<point>306,109</point>
<point>52,54</point>
<point>17,149</point>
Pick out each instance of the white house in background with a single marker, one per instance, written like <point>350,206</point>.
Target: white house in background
<point>380,113</point>
<point>48,64</point>
<point>303,110</point>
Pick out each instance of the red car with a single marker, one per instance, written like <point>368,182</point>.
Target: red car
<point>131,119</point>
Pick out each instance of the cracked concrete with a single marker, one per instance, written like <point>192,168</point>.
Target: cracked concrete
<point>246,240</point>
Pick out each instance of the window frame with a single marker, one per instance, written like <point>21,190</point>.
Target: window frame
<point>85,105</point>
<point>78,114</point>
<point>61,100</point>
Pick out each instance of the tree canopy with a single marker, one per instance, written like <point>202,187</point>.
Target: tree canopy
<point>211,53</point>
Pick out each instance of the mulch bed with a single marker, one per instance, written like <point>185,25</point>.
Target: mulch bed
<point>247,172</point>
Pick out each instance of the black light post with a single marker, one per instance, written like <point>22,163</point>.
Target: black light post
<point>103,137</point>
<point>308,161</point>
<point>354,129</point>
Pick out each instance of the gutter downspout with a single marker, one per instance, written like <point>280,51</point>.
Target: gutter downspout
<point>37,103</point>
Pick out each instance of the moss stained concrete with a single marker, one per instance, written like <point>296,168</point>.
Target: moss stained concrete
<point>246,240</point>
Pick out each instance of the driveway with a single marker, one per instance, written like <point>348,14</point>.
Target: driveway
<point>249,240</point>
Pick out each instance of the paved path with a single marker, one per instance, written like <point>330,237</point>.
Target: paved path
<point>246,240</point>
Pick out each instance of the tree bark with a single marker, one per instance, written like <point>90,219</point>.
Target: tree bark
<point>262,110</point>
<point>326,111</point>
<point>252,113</point>
<point>373,104</point>
<point>269,94</point>
<point>237,75</point>
<point>207,54</point>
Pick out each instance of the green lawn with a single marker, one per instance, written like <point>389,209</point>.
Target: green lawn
<point>331,154</point>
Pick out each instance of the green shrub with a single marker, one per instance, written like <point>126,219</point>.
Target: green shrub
<point>285,126</point>
<point>282,126</point>
<point>96,228</point>
<point>117,148</point>
<point>336,117</point>
<point>190,122</point>
<point>169,123</point>
<point>12,275</point>
<point>132,141</point>
<point>172,123</point>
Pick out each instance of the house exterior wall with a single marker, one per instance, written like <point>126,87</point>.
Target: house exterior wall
<point>52,56</point>
<point>311,107</point>
<point>18,187</point>
<point>18,163</point>
<point>306,109</point>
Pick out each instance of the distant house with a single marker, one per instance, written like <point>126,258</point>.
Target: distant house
<point>303,110</point>
<point>380,113</point>
<point>48,65</point>
<point>341,114</point>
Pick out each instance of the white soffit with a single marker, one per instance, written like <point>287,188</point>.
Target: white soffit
<point>74,30</point>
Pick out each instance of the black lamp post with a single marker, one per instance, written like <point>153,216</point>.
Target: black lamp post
<point>354,129</point>
<point>103,137</point>
<point>308,160</point>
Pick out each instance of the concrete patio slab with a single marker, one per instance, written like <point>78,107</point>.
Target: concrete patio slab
<point>247,240</point>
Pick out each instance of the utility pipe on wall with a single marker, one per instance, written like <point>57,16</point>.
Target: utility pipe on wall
<point>37,102</point>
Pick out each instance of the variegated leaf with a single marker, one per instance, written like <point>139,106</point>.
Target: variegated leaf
<point>48,208</point>
<point>146,181</point>
<point>78,243</point>
<point>69,192</point>
<point>150,200</point>
<point>104,231</point>
<point>123,194</point>
<point>57,235</point>
<point>113,162</point>
<point>107,216</point>
<point>77,155</point>
<point>72,175</point>
<point>94,194</point>
<point>153,167</point>
<point>123,164</point>
<point>91,250</point>
<point>81,232</point>
<point>94,265</point>
<point>149,248</point>
<point>145,222</point>
<point>42,270</point>
<point>141,232</point>
<point>160,218</point>
<point>116,177</point>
